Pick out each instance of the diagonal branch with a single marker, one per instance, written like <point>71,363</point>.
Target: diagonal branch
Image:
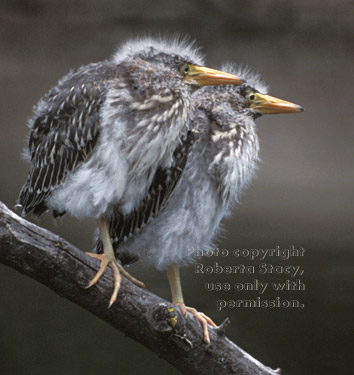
<point>138,313</point>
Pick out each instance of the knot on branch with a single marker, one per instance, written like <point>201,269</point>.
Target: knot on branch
<point>167,320</point>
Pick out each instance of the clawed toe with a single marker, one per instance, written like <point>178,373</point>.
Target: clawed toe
<point>202,318</point>
<point>117,269</point>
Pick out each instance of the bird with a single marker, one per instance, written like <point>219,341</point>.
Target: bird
<point>97,137</point>
<point>182,213</point>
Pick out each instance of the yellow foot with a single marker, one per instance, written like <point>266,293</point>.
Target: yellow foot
<point>203,319</point>
<point>117,269</point>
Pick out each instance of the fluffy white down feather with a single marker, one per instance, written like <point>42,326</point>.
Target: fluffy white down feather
<point>177,45</point>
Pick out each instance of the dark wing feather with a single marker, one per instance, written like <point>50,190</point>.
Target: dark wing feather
<point>64,132</point>
<point>161,188</point>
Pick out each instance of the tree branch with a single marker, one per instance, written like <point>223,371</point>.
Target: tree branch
<point>138,313</point>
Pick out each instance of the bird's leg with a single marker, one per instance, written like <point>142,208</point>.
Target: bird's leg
<point>177,298</point>
<point>108,259</point>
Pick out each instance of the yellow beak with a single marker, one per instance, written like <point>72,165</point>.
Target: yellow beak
<point>206,77</point>
<point>266,104</point>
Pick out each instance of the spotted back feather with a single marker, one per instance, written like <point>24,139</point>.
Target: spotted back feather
<point>64,131</point>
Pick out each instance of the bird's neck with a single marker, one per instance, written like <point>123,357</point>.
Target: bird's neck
<point>233,156</point>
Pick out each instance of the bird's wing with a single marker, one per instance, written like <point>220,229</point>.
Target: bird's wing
<point>163,185</point>
<point>64,131</point>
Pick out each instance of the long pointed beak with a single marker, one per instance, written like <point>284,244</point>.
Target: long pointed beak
<point>266,104</point>
<point>205,77</point>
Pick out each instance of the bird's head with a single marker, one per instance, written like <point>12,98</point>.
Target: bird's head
<point>263,104</point>
<point>254,94</point>
<point>226,103</point>
<point>231,110</point>
<point>176,61</point>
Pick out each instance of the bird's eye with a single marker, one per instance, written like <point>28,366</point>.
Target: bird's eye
<point>252,96</point>
<point>185,69</point>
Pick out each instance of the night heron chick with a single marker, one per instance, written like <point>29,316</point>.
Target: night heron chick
<point>172,228</point>
<point>97,138</point>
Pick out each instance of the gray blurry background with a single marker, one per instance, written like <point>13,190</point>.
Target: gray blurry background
<point>302,196</point>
